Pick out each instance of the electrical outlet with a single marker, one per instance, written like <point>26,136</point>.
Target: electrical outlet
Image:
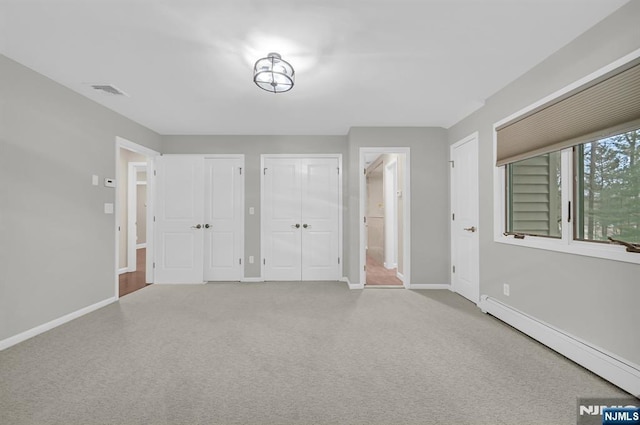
<point>505,289</point>
<point>251,259</point>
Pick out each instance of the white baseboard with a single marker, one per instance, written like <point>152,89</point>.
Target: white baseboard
<point>16,339</point>
<point>123,270</point>
<point>611,367</point>
<point>400,276</point>
<point>430,286</point>
<point>141,245</point>
<point>352,285</point>
<point>252,279</point>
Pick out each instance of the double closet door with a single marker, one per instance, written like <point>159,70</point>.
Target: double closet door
<point>300,218</point>
<point>199,220</point>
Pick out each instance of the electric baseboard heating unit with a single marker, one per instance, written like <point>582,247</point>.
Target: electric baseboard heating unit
<point>609,366</point>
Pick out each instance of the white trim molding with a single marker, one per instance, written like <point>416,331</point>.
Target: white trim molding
<point>141,245</point>
<point>16,339</point>
<point>400,276</point>
<point>352,285</point>
<point>406,223</point>
<point>609,366</point>
<point>430,286</point>
<point>123,270</point>
<point>252,279</point>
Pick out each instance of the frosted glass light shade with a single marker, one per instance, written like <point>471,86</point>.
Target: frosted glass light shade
<point>274,74</point>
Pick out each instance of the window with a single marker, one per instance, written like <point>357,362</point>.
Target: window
<point>598,182</point>
<point>534,196</point>
<point>567,174</point>
<point>608,188</point>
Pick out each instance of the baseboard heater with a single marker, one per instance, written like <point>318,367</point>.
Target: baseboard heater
<point>614,369</point>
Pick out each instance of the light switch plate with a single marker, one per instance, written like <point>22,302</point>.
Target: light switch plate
<point>108,208</point>
<point>94,180</point>
<point>252,211</point>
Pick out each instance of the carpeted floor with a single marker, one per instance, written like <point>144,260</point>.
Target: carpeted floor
<point>289,353</point>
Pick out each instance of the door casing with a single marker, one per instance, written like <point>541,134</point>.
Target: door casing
<point>121,143</point>
<point>406,225</point>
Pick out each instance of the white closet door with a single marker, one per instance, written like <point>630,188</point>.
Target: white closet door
<point>179,256</point>
<point>282,226</point>
<point>223,217</point>
<point>320,209</point>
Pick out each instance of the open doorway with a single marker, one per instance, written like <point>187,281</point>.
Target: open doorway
<point>134,217</point>
<point>384,206</point>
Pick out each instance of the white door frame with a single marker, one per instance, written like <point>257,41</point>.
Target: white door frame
<point>150,154</point>
<point>406,225</point>
<point>472,138</point>
<point>263,157</point>
<point>132,210</point>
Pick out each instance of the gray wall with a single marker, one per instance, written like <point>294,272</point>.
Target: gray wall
<point>429,198</point>
<point>57,245</point>
<point>594,299</point>
<point>252,147</point>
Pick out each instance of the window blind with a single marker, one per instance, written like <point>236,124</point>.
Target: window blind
<point>601,108</point>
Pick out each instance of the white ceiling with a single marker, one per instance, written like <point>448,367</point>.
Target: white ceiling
<point>187,64</point>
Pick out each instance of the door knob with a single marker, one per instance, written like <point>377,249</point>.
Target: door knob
<point>197,226</point>
<point>206,226</point>
<point>297,226</point>
<point>306,225</point>
<point>470,229</point>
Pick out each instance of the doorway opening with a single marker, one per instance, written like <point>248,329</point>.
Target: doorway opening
<point>134,217</point>
<point>384,206</point>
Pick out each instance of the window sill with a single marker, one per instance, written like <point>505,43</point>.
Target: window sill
<point>588,249</point>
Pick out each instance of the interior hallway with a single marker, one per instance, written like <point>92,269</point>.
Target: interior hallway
<point>377,274</point>
<point>133,281</point>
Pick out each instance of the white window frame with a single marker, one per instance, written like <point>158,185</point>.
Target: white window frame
<point>566,243</point>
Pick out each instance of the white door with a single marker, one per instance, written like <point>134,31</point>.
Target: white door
<point>301,219</point>
<point>223,219</point>
<point>319,216</point>
<point>282,222</point>
<point>464,215</point>
<point>179,218</point>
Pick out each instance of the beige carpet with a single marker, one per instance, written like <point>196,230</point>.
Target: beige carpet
<point>289,353</point>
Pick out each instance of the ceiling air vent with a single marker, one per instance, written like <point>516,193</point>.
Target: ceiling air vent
<point>109,89</point>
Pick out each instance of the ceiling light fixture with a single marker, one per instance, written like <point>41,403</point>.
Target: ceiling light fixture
<point>274,74</point>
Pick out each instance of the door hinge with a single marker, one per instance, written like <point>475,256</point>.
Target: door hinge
<point>264,261</point>
<point>364,268</point>
<point>365,219</point>
<point>118,228</point>
<point>264,172</point>
<point>338,168</point>
<point>155,173</point>
<point>240,261</point>
<point>453,216</point>
<point>154,265</point>
<point>338,260</point>
<point>454,269</point>
<point>240,170</point>
<point>364,171</point>
<point>154,218</point>
<point>453,164</point>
